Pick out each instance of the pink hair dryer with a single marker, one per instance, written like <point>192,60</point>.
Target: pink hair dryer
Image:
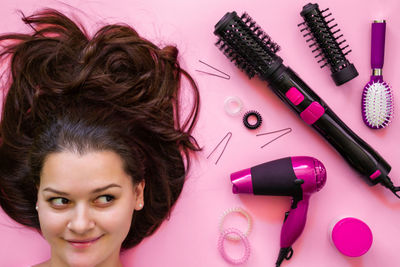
<point>297,177</point>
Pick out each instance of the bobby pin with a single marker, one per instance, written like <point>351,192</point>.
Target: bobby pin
<point>226,76</point>
<point>229,138</point>
<point>288,130</point>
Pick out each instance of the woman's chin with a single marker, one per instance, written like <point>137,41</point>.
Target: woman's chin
<point>82,263</point>
<point>82,260</point>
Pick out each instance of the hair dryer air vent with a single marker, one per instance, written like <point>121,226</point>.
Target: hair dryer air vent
<point>320,174</point>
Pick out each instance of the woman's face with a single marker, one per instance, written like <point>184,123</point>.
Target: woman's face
<point>85,206</point>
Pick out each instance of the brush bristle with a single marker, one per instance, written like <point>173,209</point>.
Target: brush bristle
<point>325,37</point>
<point>236,58</point>
<point>260,33</point>
<point>377,105</point>
<point>247,45</point>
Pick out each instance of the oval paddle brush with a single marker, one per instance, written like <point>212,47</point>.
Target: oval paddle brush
<point>377,96</point>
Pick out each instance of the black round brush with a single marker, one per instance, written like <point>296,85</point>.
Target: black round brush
<point>256,54</point>
<point>325,41</point>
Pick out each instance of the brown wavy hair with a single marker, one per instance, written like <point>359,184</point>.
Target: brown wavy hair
<point>114,91</point>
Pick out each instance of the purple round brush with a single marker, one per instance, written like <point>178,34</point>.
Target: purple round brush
<point>377,96</point>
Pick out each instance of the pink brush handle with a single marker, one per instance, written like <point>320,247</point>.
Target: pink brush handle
<point>378,44</point>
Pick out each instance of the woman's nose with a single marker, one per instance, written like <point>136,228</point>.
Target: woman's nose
<point>81,220</point>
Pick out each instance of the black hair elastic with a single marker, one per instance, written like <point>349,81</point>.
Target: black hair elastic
<point>246,119</point>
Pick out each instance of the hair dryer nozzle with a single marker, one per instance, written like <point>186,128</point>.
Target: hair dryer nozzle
<point>241,182</point>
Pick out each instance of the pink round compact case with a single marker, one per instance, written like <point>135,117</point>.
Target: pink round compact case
<point>352,237</point>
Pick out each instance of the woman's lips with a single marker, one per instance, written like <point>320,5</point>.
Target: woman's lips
<point>83,243</point>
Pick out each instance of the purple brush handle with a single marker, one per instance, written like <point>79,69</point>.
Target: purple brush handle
<point>378,44</point>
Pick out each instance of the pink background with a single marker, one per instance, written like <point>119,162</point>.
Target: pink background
<point>190,237</point>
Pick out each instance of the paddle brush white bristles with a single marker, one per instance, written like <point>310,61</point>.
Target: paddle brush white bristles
<point>377,96</point>
<point>377,104</point>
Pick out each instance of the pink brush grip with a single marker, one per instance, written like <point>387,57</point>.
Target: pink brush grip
<point>378,44</point>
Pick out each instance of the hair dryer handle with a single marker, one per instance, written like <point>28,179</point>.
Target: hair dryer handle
<point>294,223</point>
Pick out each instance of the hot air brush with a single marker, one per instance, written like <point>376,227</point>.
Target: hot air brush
<point>297,177</point>
<point>253,51</point>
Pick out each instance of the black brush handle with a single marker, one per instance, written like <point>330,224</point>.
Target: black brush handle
<point>315,112</point>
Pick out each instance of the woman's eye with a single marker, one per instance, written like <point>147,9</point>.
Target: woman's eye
<point>106,199</point>
<point>58,202</point>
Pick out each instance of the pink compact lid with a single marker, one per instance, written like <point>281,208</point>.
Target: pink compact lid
<point>352,237</point>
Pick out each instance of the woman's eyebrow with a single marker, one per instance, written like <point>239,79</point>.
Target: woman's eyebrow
<point>105,187</point>
<point>49,189</point>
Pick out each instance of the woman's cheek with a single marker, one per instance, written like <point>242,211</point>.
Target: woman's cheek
<point>118,218</point>
<point>52,223</point>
